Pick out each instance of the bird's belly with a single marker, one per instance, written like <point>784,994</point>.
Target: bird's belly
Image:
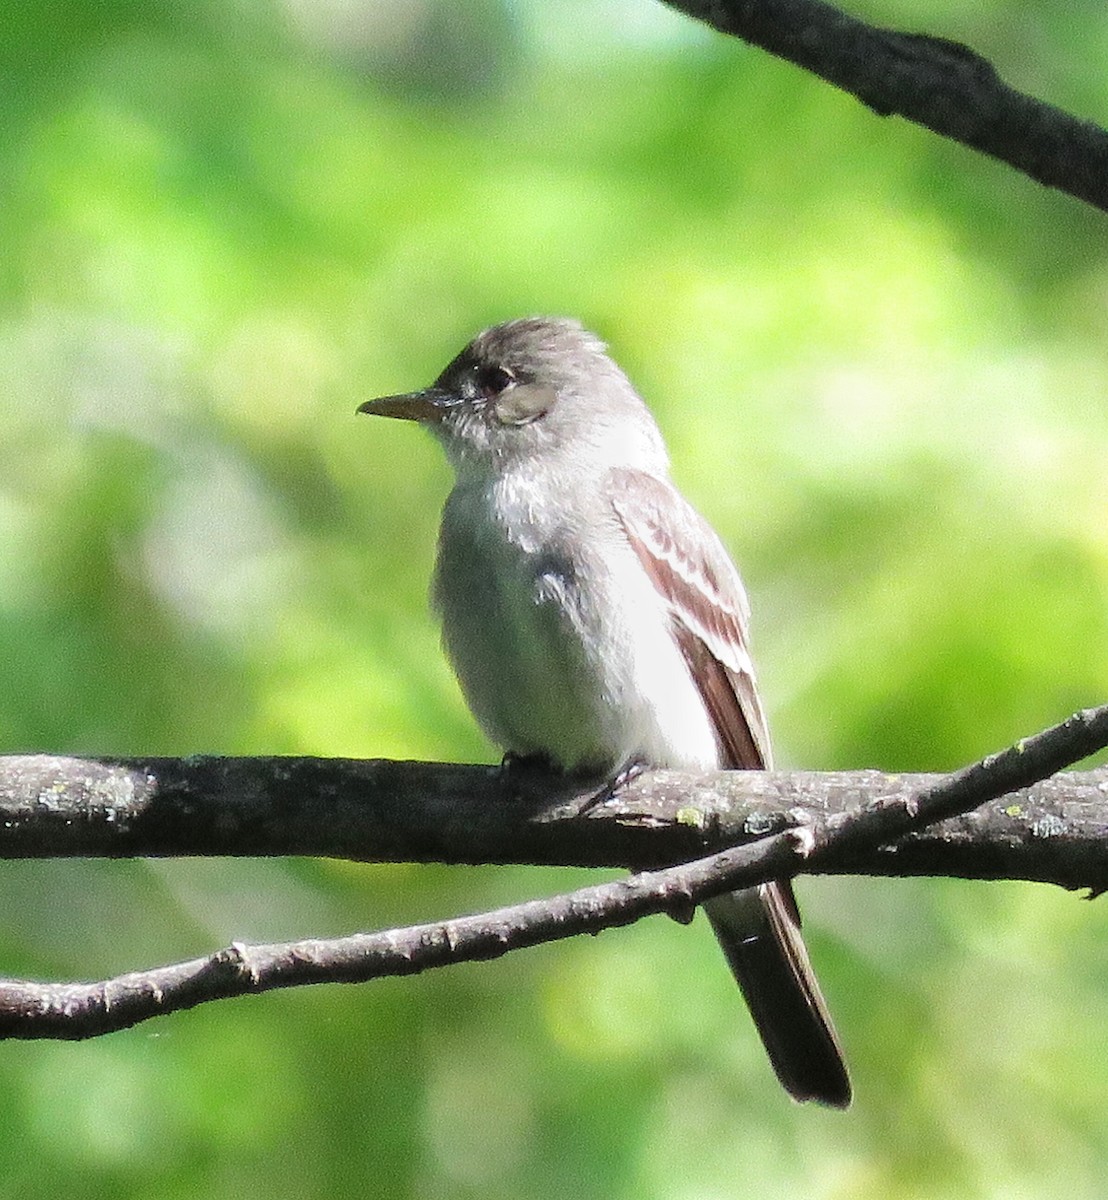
<point>512,631</point>
<point>566,655</point>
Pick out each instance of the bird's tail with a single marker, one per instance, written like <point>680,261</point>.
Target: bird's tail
<point>759,931</point>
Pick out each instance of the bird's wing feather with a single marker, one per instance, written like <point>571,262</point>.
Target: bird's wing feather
<point>691,570</point>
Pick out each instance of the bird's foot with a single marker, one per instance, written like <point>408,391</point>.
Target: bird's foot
<point>631,769</point>
<point>524,765</point>
<point>524,775</point>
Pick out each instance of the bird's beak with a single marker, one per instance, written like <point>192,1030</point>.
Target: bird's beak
<point>426,406</point>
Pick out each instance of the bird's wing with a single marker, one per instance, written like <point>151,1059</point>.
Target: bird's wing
<point>692,571</point>
<point>759,929</point>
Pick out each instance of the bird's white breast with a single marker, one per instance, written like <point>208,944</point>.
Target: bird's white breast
<point>560,642</point>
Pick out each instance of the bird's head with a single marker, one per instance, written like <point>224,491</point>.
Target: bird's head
<point>535,387</point>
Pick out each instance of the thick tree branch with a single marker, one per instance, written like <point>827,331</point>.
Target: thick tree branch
<point>1057,831</point>
<point>940,84</point>
<point>33,1010</point>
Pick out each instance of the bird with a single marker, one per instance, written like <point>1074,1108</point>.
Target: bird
<point>596,623</point>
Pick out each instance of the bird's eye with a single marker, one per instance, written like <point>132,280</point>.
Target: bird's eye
<point>493,380</point>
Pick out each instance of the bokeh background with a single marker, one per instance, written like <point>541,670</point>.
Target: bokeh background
<point>880,364</point>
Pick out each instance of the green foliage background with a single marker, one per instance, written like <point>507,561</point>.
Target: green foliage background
<point>879,361</point>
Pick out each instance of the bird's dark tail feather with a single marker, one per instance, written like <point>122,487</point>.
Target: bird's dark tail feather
<point>759,931</point>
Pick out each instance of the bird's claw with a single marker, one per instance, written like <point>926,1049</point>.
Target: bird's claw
<point>630,770</point>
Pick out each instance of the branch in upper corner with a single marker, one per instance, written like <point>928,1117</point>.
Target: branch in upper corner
<point>70,1011</point>
<point>937,83</point>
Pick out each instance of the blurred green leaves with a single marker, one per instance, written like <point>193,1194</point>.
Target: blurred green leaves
<point>879,363</point>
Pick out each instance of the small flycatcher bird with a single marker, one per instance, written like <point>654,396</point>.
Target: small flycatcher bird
<point>595,620</point>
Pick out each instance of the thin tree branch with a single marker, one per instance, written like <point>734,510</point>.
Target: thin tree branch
<point>70,1011</point>
<point>937,83</point>
<point>1056,831</point>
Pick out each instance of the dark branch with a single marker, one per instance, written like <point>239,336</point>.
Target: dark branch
<point>1057,831</point>
<point>32,1010</point>
<point>937,83</point>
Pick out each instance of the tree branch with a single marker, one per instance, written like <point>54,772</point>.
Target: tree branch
<point>1056,831</point>
<point>937,83</point>
<point>33,1010</point>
